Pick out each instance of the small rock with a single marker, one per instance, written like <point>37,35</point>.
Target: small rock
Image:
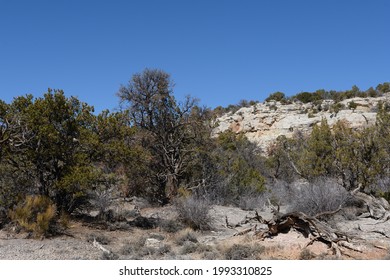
<point>152,243</point>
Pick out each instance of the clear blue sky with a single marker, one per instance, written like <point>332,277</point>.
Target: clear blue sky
<point>217,51</point>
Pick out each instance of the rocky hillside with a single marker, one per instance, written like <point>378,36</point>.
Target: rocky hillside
<point>264,122</point>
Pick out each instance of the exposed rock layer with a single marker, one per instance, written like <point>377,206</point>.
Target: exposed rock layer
<point>264,122</point>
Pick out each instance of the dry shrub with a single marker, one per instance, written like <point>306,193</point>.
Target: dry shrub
<point>194,212</point>
<point>197,248</point>
<point>136,249</point>
<point>317,197</point>
<point>187,235</point>
<point>170,226</point>
<point>278,192</point>
<point>306,254</point>
<point>64,220</point>
<point>381,188</point>
<point>189,248</point>
<point>109,256</point>
<point>36,214</point>
<point>212,254</point>
<point>252,199</point>
<point>102,239</point>
<point>244,252</point>
<point>163,250</point>
<point>100,199</point>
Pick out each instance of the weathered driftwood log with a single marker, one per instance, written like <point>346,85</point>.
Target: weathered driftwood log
<point>100,246</point>
<point>315,228</point>
<point>377,208</point>
<point>311,228</point>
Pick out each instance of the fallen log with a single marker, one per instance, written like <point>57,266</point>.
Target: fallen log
<point>100,247</point>
<point>310,227</point>
<point>377,208</point>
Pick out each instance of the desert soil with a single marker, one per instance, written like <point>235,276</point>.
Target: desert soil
<point>370,236</point>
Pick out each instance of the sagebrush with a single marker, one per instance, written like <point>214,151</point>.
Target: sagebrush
<point>194,212</point>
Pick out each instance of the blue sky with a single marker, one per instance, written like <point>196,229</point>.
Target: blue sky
<point>218,51</point>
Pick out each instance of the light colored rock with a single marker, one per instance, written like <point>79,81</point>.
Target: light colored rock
<point>152,243</point>
<point>264,122</point>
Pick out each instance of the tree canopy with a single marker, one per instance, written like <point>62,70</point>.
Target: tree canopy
<point>55,152</point>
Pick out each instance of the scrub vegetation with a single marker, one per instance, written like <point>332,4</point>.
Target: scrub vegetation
<point>59,160</point>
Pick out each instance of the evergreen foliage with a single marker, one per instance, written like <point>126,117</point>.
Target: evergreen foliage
<point>56,154</point>
<point>276,96</point>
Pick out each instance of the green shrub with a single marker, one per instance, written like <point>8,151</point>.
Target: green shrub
<point>305,97</point>
<point>337,107</point>
<point>383,88</point>
<point>276,96</point>
<point>352,105</point>
<point>36,214</point>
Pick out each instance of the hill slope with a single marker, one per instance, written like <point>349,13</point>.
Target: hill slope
<point>264,122</point>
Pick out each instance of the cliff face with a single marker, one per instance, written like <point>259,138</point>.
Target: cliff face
<point>264,122</point>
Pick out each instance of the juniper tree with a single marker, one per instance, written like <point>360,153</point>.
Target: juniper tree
<point>166,124</point>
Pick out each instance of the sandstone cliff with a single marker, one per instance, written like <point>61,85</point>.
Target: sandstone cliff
<point>264,122</point>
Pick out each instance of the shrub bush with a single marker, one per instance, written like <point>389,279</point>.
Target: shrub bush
<point>186,236</point>
<point>305,97</point>
<point>134,246</point>
<point>337,107</point>
<point>381,187</point>
<point>322,195</point>
<point>278,192</point>
<point>276,96</point>
<point>251,200</point>
<point>306,254</point>
<point>109,256</point>
<point>352,105</point>
<point>188,248</point>
<point>101,200</point>
<point>102,239</point>
<point>170,226</point>
<point>194,212</point>
<point>243,252</point>
<point>36,214</point>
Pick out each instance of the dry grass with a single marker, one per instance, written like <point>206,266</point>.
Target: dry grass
<point>241,248</point>
<point>244,252</point>
<point>36,214</point>
<point>306,254</point>
<point>185,235</point>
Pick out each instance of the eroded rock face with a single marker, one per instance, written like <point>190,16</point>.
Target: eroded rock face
<point>264,122</point>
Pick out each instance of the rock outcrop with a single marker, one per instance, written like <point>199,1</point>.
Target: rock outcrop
<point>264,122</point>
